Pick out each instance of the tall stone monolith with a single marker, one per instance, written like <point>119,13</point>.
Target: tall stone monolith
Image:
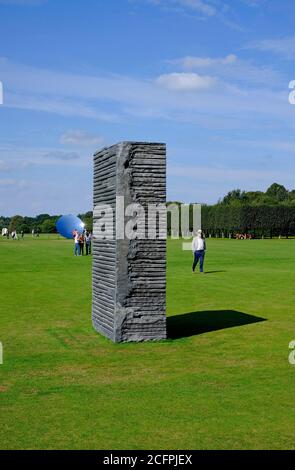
<point>129,245</point>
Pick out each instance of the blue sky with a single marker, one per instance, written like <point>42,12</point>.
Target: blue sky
<point>208,77</point>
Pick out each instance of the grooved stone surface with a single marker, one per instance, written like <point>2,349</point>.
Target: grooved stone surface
<point>129,276</point>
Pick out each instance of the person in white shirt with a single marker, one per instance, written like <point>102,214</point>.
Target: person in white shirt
<point>199,249</point>
<point>76,236</point>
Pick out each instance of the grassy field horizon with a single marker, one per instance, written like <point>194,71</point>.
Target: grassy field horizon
<point>221,380</point>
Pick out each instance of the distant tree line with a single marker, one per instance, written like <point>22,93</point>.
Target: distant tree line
<point>258,221</point>
<point>270,213</point>
<point>42,223</point>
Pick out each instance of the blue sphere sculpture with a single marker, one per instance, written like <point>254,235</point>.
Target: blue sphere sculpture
<point>66,225</point>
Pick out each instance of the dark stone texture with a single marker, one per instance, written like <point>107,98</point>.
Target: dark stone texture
<point>129,276</point>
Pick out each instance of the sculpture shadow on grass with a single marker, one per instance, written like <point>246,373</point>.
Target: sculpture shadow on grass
<point>196,323</point>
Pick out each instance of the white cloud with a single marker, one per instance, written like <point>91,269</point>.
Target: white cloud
<point>185,81</point>
<point>78,137</point>
<point>204,9</point>
<point>7,182</point>
<point>253,3</point>
<point>60,155</point>
<point>12,165</point>
<point>19,160</point>
<point>13,182</point>
<point>270,145</point>
<point>199,10</point>
<point>214,182</point>
<point>236,177</point>
<point>25,3</point>
<point>200,6</point>
<point>231,68</point>
<point>191,62</point>
<point>4,166</point>
<point>284,47</point>
<point>55,104</point>
<point>203,103</point>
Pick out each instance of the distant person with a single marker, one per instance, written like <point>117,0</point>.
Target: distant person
<point>14,235</point>
<point>33,233</point>
<point>88,239</point>
<point>199,248</point>
<point>81,243</point>
<point>77,244</point>
<point>22,234</point>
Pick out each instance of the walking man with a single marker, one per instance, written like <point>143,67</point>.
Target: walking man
<point>199,248</point>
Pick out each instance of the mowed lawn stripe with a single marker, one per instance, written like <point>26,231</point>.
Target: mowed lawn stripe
<point>222,379</point>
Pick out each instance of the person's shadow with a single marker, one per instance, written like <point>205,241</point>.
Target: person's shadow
<point>196,323</point>
<point>214,272</point>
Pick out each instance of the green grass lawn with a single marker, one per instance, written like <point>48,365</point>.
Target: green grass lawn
<point>222,380</point>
